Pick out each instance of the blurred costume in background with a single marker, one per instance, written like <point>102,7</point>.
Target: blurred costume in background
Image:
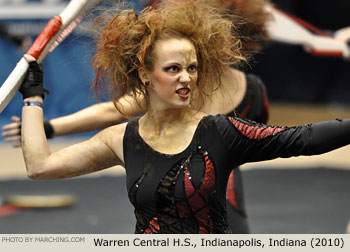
<point>21,41</point>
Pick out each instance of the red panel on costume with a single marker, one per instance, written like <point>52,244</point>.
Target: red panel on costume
<point>255,132</point>
<point>230,192</point>
<point>198,200</point>
<point>153,227</point>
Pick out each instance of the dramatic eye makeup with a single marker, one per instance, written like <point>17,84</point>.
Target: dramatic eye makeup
<point>192,68</point>
<point>172,68</point>
<point>176,68</point>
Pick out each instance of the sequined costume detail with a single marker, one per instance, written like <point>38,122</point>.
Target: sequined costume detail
<point>172,211</point>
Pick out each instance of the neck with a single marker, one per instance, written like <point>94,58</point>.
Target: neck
<point>158,121</point>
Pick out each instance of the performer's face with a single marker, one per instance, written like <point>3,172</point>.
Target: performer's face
<point>174,73</point>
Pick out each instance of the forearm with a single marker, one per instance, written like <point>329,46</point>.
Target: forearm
<point>34,143</point>
<point>329,135</point>
<point>95,117</point>
<point>98,116</point>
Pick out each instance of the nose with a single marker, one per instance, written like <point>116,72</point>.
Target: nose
<point>185,77</point>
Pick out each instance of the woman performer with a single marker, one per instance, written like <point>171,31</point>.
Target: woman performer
<point>248,101</point>
<point>253,106</point>
<point>177,159</point>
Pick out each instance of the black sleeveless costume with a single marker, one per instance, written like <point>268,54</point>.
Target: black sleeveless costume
<point>186,192</point>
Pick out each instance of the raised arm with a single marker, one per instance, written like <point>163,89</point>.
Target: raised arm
<point>284,28</point>
<point>100,152</point>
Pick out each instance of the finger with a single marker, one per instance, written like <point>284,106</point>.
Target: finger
<point>14,132</point>
<point>11,126</point>
<point>12,139</point>
<point>343,34</point>
<point>15,118</point>
<point>17,145</point>
<point>29,58</point>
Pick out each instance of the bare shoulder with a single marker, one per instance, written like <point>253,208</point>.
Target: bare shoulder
<point>233,74</point>
<point>119,128</point>
<point>112,133</point>
<point>113,137</point>
<point>199,116</point>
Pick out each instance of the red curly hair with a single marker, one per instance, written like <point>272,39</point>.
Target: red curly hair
<point>251,19</point>
<point>127,38</point>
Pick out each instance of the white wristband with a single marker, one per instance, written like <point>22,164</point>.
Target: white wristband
<point>33,103</point>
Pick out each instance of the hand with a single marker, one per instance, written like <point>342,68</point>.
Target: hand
<point>343,34</point>
<point>34,81</point>
<point>12,131</point>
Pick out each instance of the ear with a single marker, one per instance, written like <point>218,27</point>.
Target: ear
<point>143,75</point>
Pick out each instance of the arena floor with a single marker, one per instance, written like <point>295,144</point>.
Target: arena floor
<point>296,195</point>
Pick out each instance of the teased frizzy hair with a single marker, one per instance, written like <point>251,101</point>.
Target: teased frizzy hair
<point>250,20</point>
<point>252,28</point>
<point>127,39</point>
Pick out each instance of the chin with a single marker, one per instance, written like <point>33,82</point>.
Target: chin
<point>179,106</point>
<point>183,104</point>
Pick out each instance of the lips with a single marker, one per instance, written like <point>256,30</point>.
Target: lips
<point>184,93</point>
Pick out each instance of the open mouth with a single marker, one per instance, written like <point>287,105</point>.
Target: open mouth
<point>183,92</point>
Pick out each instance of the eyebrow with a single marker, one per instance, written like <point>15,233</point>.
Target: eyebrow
<point>180,64</point>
